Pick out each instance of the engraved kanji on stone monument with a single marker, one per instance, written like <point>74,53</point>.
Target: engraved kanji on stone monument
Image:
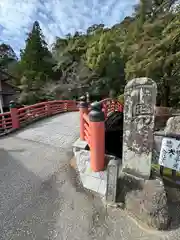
<point>139,115</point>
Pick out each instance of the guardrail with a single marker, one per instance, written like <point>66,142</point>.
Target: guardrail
<point>17,118</point>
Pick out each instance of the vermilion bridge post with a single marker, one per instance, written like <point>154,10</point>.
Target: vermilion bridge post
<point>14,115</point>
<point>97,147</point>
<point>92,130</point>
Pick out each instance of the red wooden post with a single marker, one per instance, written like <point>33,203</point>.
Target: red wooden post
<point>105,110</point>
<point>97,126</point>
<point>83,108</point>
<point>48,109</point>
<point>14,115</point>
<point>65,106</point>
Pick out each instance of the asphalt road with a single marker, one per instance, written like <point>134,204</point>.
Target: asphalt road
<point>40,197</point>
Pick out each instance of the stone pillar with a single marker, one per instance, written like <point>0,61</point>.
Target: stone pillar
<point>139,116</point>
<point>112,177</point>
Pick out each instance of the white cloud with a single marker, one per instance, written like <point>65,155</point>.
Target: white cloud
<point>57,17</point>
<point>15,15</point>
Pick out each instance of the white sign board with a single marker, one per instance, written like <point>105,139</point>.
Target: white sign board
<point>170,154</point>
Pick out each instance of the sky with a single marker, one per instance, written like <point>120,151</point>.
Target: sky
<point>57,17</point>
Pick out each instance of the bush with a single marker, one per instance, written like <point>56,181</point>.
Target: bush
<point>121,98</point>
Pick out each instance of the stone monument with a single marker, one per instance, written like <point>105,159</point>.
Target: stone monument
<point>139,116</point>
<point>145,198</point>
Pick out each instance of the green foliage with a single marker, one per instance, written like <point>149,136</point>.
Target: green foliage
<point>35,65</point>
<point>121,98</point>
<point>7,56</point>
<point>36,56</point>
<point>156,49</point>
<point>101,60</point>
<point>91,61</point>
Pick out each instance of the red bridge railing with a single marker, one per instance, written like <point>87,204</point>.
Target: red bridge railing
<point>92,128</point>
<point>92,122</point>
<point>110,105</point>
<point>87,129</point>
<point>17,118</point>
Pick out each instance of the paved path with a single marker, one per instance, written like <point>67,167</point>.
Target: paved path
<point>39,195</point>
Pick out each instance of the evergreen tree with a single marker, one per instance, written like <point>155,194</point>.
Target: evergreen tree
<point>36,65</point>
<point>155,50</point>
<point>100,60</point>
<point>36,57</point>
<point>7,56</point>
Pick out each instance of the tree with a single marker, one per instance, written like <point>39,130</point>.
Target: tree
<point>155,52</point>
<point>36,56</point>
<point>100,61</point>
<point>7,56</point>
<point>104,56</point>
<point>36,65</point>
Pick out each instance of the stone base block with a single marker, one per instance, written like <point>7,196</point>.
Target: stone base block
<point>94,181</point>
<point>145,199</point>
<point>104,182</point>
<point>79,145</point>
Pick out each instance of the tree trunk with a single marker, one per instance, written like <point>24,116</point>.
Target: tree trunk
<point>167,88</point>
<point>166,96</point>
<point>166,92</point>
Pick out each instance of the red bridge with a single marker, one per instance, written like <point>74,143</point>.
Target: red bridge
<point>93,121</point>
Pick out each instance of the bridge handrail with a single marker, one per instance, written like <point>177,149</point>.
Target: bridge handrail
<point>87,129</point>
<point>17,118</point>
<point>111,105</point>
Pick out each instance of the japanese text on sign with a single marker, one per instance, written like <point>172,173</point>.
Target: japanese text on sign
<point>170,154</point>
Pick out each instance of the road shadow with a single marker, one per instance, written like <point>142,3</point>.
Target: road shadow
<point>28,204</point>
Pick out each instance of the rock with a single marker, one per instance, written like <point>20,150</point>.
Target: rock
<point>162,115</point>
<point>146,200</point>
